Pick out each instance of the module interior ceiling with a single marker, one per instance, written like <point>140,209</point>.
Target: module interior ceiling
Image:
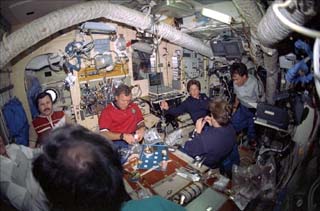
<point>20,12</point>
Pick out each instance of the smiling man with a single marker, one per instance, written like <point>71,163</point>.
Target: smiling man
<point>121,121</point>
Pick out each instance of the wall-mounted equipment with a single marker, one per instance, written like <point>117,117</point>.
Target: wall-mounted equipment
<point>192,64</point>
<point>272,116</point>
<point>98,28</point>
<point>224,18</point>
<point>102,61</point>
<point>44,60</point>
<point>143,47</point>
<point>176,69</point>
<point>230,48</point>
<point>174,8</point>
<point>141,66</point>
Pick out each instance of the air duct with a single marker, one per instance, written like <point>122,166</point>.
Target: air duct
<point>45,26</point>
<point>272,30</point>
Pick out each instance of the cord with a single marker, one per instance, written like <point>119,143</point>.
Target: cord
<point>312,190</point>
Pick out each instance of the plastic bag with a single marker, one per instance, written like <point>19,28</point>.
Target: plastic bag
<point>174,138</point>
<point>251,182</point>
<point>152,137</point>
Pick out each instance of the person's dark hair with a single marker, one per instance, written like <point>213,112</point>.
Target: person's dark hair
<point>80,170</point>
<point>238,68</point>
<point>40,96</point>
<point>220,110</point>
<point>122,89</point>
<point>193,82</point>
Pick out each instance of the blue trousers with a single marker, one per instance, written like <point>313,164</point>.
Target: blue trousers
<point>243,118</point>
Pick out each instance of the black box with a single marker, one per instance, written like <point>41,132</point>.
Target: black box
<point>272,116</point>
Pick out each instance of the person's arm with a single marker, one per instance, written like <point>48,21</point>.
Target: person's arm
<point>12,190</point>
<point>200,124</point>
<point>194,147</point>
<point>30,153</point>
<point>141,129</point>
<point>13,193</point>
<point>32,137</point>
<point>235,104</point>
<point>113,136</point>
<point>181,109</point>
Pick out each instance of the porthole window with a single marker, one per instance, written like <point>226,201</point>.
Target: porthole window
<point>53,93</point>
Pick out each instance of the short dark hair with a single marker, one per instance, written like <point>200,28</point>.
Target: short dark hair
<point>42,95</point>
<point>220,110</point>
<point>80,170</point>
<point>122,89</point>
<point>193,82</point>
<point>238,68</point>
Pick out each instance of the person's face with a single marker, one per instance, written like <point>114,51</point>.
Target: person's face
<point>239,80</point>
<point>123,101</point>
<point>45,106</point>
<point>194,91</point>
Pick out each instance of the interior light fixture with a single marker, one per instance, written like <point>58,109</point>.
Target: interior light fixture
<point>216,15</point>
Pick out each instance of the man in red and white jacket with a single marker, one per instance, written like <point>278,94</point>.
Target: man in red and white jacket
<point>47,119</point>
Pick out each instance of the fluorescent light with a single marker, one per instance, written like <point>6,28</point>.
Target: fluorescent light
<point>216,15</point>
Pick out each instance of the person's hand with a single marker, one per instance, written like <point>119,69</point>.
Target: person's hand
<point>209,120</point>
<point>164,105</point>
<point>199,124</point>
<point>140,134</point>
<point>129,138</point>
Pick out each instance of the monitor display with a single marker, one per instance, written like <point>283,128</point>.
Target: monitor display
<point>217,48</point>
<point>141,65</point>
<point>155,79</point>
<point>230,48</point>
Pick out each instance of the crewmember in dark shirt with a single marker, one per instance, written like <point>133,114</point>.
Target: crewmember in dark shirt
<point>196,104</point>
<point>217,141</point>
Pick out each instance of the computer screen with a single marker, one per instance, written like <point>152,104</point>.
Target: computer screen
<point>233,49</point>
<point>155,79</point>
<point>217,48</point>
<point>141,65</point>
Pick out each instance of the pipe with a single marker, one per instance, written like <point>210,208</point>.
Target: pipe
<point>271,30</point>
<point>47,25</point>
<point>271,65</point>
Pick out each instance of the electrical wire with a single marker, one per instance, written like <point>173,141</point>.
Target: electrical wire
<point>311,194</point>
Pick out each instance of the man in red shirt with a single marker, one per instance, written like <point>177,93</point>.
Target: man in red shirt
<point>121,121</point>
<point>47,119</point>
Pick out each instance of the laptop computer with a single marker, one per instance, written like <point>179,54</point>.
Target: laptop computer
<point>272,116</point>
